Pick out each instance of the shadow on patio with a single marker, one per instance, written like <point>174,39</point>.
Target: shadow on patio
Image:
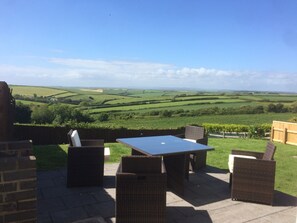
<point>206,199</point>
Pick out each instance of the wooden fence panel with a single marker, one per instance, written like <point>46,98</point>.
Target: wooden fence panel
<point>284,132</point>
<point>47,135</point>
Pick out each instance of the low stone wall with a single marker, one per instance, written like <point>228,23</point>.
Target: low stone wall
<point>17,182</point>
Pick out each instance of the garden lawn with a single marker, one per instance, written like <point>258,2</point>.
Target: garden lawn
<point>55,156</point>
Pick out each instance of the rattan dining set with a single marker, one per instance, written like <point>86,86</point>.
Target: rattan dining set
<point>143,178</point>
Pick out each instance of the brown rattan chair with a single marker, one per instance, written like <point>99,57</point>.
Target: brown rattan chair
<point>253,179</point>
<point>85,164</point>
<point>196,134</point>
<point>141,190</point>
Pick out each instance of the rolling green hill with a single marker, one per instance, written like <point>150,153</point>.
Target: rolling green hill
<point>147,108</point>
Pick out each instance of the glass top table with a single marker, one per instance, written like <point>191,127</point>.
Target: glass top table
<point>162,145</point>
<point>175,152</point>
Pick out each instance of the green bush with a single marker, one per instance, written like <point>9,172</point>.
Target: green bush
<point>103,117</point>
<point>42,115</point>
<point>253,131</point>
<point>22,113</point>
<point>166,113</point>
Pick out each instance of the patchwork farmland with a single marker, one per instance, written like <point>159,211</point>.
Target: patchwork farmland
<point>137,108</point>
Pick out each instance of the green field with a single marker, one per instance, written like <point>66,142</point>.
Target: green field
<point>177,122</point>
<point>132,108</point>
<point>40,91</point>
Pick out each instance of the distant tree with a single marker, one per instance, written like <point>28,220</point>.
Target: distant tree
<point>65,113</point>
<point>166,113</point>
<point>280,108</point>
<point>42,115</point>
<point>259,109</point>
<point>78,116</point>
<point>22,113</point>
<point>271,108</point>
<point>154,113</point>
<point>62,113</point>
<point>103,117</point>
<point>293,107</point>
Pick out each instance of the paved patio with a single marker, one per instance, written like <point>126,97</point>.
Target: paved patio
<point>207,199</point>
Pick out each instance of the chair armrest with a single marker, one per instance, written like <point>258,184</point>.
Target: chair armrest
<point>92,142</point>
<point>203,141</point>
<point>258,155</point>
<point>83,152</point>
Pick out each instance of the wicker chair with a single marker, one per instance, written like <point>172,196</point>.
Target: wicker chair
<point>253,178</point>
<point>196,134</point>
<point>85,164</point>
<point>141,190</point>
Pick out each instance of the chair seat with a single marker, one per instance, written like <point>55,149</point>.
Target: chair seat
<point>231,160</point>
<point>106,153</point>
<point>191,140</point>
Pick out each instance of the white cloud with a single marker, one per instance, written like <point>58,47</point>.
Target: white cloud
<point>100,73</point>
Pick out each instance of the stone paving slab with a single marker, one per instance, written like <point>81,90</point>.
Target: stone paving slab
<point>206,199</point>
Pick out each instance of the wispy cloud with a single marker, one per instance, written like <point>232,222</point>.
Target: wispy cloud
<point>141,70</point>
<point>92,73</point>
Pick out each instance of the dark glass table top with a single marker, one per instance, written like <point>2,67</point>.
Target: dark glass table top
<point>162,145</point>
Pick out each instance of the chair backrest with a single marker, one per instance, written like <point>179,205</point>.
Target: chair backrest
<point>194,132</point>
<point>74,138</point>
<point>270,150</point>
<point>141,164</point>
<point>69,137</point>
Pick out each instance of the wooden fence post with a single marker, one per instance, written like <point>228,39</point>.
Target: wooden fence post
<point>272,133</point>
<point>285,135</point>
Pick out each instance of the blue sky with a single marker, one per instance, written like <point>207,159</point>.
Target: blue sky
<point>198,44</point>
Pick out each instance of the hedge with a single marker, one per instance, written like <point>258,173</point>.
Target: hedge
<point>252,130</point>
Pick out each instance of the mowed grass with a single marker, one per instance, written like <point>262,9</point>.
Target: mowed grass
<point>55,156</point>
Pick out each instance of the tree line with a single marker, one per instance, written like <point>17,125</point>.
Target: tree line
<point>270,108</point>
<point>52,114</point>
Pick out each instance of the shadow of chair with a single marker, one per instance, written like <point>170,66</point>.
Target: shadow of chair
<point>196,134</point>
<point>253,175</point>
<point>176,213</point>
<point>141,190</point>
<point>85,161</point>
